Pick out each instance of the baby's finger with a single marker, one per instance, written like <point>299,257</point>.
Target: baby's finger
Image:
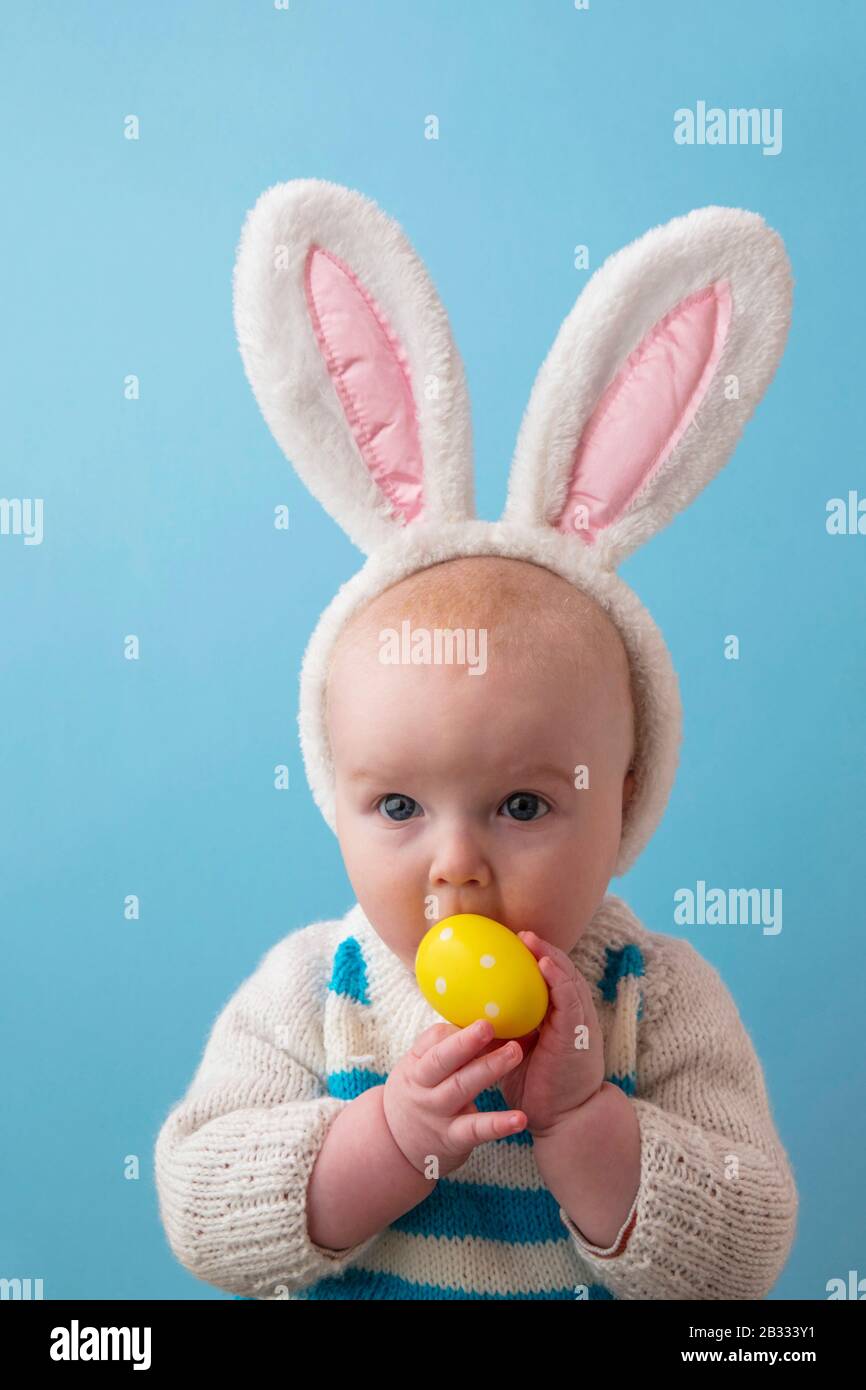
<point>527,1042</point>
<point>567,1011</point>
<point>425,1040</point>
<point>539,947</point>
<point>465,1131</point>
<point>448,1052</point>
<point>458,1090</point>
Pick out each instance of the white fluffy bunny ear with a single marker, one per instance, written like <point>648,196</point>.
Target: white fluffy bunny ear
<point>651,379</point>
<point>350,356</point>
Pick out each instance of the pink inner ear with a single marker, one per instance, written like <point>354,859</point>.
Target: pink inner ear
<point>645,410</point>
<point>370,370</point>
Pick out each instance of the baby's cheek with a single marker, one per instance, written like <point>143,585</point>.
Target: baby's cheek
<point>558,904</point>
<point>395,906</point>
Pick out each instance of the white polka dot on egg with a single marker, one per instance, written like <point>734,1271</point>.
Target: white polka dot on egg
<point>491,1009</point>
<point>446,933</point>
<point>441,986</point>
<point>487,961</point>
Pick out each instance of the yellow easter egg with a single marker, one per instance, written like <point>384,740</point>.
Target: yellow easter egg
<point>470,967</point>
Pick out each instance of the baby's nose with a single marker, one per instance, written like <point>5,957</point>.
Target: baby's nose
<point>460,862</point>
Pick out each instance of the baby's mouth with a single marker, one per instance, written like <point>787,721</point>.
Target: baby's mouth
<point>482,912</point>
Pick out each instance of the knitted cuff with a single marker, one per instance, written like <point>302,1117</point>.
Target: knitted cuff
<point>600,1252</point>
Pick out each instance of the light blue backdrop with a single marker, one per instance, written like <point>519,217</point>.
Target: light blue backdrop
<point>155,777</point>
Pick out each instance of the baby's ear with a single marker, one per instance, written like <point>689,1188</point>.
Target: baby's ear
<point>651,380</point>
<point>351,358</point>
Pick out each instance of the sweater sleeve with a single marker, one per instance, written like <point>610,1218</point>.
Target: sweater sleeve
<point>715,1213</point>
<point>233,1158</point>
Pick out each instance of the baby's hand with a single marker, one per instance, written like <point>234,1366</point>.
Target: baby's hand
<point>429,1096</point>
<point>563,1065</point>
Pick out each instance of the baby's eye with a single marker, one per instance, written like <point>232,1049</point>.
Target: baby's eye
<point>523,806</point>
<point>395,806</point>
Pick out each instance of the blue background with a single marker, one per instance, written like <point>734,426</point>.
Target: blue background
<point>155,777</point>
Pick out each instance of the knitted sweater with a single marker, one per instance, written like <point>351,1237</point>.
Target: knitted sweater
<point>330,1010</point>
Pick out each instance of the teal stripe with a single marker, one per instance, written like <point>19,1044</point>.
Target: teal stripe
<point>627,961</point>
<point>366,1285</point>
<point>348,1085</point>
<point>460,1210</point>
<point>349,972</point>
<point>627,1083</point>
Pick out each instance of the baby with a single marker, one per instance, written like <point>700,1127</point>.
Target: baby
<point>462,792</point>
<point>338,1142</point>
<point>338,1139</point>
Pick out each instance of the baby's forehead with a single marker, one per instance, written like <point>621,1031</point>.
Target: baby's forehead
<point>528,613</point>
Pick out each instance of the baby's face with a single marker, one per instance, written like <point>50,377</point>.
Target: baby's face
<point>465,791</point>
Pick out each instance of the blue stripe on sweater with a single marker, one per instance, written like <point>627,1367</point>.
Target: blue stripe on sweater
<point>348,1085</point>
<point>485,1211</point>
<point>627,961</point>
<point>366,1285</point>
<point>349,972</point>
<point>627,1083</point>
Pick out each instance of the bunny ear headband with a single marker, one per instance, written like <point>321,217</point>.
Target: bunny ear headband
<point>639,403</point>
